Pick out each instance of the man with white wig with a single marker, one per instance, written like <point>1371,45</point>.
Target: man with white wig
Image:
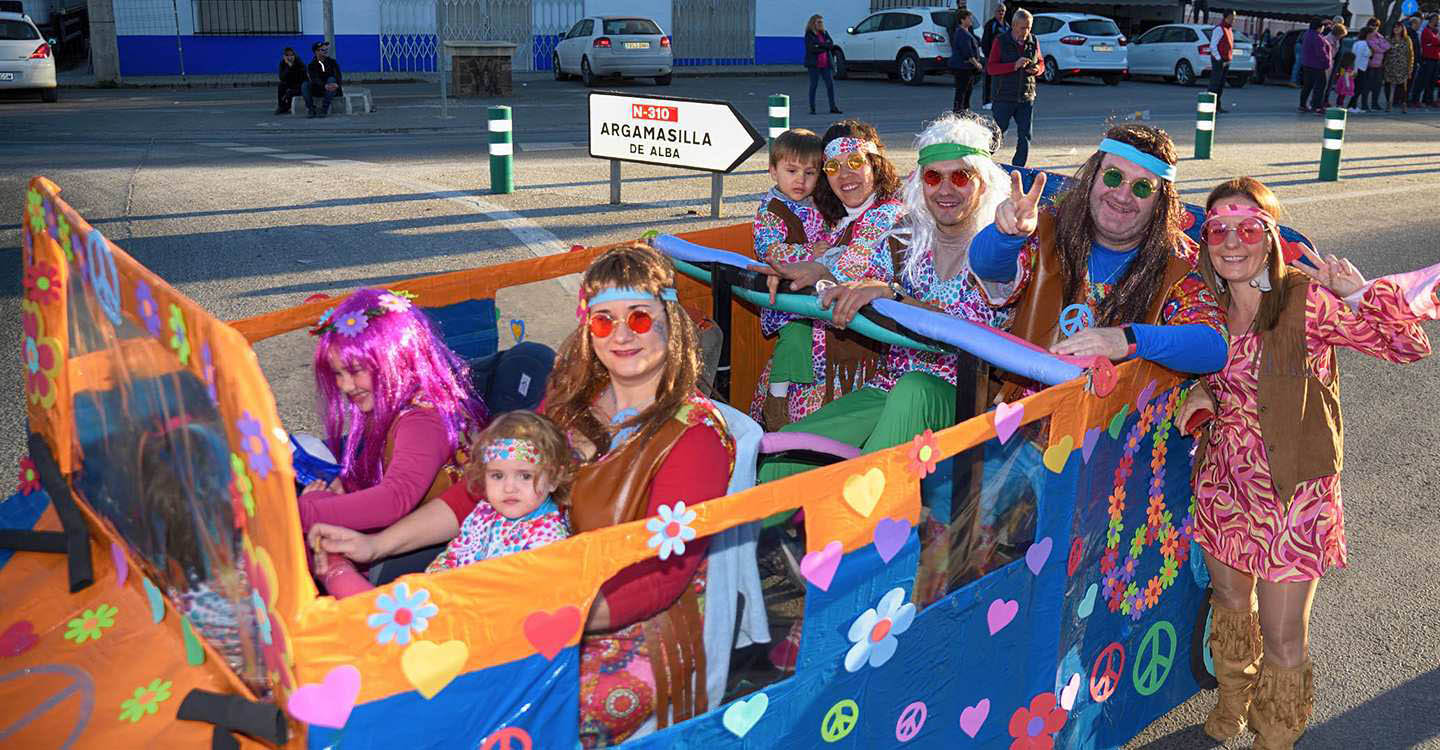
<point>949,198</point>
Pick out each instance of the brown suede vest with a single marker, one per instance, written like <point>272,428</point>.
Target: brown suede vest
<point>615,490</point>
<point>451,472</point>
<point>1037,312</point>
<point>794,228</point>
<point>851,359</point>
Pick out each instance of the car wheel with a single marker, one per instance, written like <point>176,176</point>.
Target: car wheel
<point>1052,71</point>
<point>663,80</point>
<point>1111,79</point>
<point>1240,81</point>
<point>1184,74</point>
<point>587,76</point>
<point>908,66</point>
<point>50,95</point>
<point>555,65</point>
<point>837,63</point>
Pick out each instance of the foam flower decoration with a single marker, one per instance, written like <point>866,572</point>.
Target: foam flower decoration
<point>29,477</point>
<point>35,207</point>
<point>40,354</point>
<point>207,371</point>
<point>1034,727</point>
<point>241,488</point>
<point>145,701</point>
<point>873,632</point>
<point>924,451</point>
<point>352,324</point>
<point>402,614</point>
<point>90,625</point>
<point>257,449</point>
<point>179,340</point>
<point>262,617</point>
<point>64,235</point>
<point>148,307</point>
<point>42,283</point>
<point>671,528</point>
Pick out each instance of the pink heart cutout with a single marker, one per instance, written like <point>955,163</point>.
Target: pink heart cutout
<point>819,567</point>
<point>122,567</point>
<point>17,639</point>
<point>548,632</point>
<point>329,703</point>
<point>972,717</point>
<point>1000,614</point>
<point>1007,419</point>
<point>1092,436</point>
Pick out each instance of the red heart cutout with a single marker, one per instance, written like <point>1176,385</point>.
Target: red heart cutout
<point>576,248</point>
<point>1077,550</point>
<point>1187,220</point>
<point>548,632</point>
<point>17,639</point>
<point>1103,377</point>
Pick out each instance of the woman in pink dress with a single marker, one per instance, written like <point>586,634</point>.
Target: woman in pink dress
<point>1268,509</point>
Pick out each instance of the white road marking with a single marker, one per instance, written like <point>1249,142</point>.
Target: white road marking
<point>253,149</point>
<point>295,156</point>
<point>550,146</point>
<point>219,144</point>
<point>321,162</point>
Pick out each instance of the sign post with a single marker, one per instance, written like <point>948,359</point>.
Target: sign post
<point>700,134</point>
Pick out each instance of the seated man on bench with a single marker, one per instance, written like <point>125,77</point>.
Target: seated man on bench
<point>324,74</point>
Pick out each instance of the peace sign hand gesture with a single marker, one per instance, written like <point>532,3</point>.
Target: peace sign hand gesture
<point>1339,275</point>
<point>1019,214</point>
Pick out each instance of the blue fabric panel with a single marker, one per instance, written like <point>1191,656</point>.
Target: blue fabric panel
<point>21,512</point>
<point>468,327</point>
<point>779,50</point>
<point>157,55</point>
<point>536,695</point>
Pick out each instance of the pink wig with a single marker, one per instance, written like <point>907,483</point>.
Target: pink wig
<point>409,365</point>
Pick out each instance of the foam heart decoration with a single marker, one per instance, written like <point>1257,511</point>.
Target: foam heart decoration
<point>1038,553</point>
<point>548,632</point>
<point>576,248</point>
<point>122,567</point>
<point>1087,446</point>
<point>1000,614</point>
<point>1145,394</point>
<point>329,703</point>
<point>1087,605</point>
<point>743,715</point>
<point>1103,377</point>
<point>1077,551</point>
<point>1072,689</point>
<point>819,567</point>
<point>862,491</point>
<point>430,666</point>
<point>17,639</point>
<point>1057,455</point>
<point>157,602</point>
<point>973,717</point>
<point>1007,419</point>
<point>517,329</point>
<point>1117,422</point>
<point>194,652</point>
<point>890,536</point>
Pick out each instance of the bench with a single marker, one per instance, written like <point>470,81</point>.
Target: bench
<point>297,104</point>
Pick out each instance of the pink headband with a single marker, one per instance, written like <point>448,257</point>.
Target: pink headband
<point>1234,209</point>
<point>840,146</point>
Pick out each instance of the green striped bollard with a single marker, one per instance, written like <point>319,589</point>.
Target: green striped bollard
<point>779,116</point>
<point>1334,139</point>
<point>502,151</point>
<point>1204,125</point>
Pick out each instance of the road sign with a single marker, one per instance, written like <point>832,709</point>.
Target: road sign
<point>670,131</point>
<point>1410,7</point>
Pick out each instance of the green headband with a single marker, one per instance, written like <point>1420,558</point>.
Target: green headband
<point>947,151</point>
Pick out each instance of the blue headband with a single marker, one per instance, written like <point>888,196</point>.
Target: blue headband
<point>626,293</point>
<point>1157,166</point>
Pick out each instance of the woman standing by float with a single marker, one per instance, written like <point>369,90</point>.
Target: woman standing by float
<point>1268,509</point>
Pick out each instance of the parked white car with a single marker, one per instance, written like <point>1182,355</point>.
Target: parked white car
<point>1079,44</point>
<point>1181,53</point>
<point>27,60</point>
<point>625,46</point>
<point>904,44</point>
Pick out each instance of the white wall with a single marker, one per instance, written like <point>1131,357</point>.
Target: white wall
<point>777,18</point>
<point>655,10</point>
<point>351,16</point>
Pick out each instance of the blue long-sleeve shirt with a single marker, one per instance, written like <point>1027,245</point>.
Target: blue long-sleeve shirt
<point>963,48</point>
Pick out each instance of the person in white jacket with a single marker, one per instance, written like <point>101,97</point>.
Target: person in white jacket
<point>1362,66</point>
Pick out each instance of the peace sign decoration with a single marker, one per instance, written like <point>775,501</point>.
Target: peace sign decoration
<point>1154,658</point>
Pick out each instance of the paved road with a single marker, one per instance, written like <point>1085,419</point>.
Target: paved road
<point>248,212</point>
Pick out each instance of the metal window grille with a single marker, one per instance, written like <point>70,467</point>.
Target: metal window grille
<point>713,32</point>
<point>892,4</point>
<point>411,30</point>
<point>242,17</point>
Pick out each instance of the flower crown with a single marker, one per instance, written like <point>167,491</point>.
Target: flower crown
<point>352,324</point>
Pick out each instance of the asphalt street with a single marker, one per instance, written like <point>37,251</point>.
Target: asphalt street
<point>248,212</point>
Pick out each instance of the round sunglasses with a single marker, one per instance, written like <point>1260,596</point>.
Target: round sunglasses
<point>855,161</point>
<point>960,178</point>
<point>1140,187</point>
<point>1251,231</point>
<point>638,321</point>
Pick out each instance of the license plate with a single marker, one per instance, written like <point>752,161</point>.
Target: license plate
<point>7,76</point>
<point>1102,48</point>
<point>637,45</point>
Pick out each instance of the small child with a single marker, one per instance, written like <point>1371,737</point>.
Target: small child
<point>1345,80</point>
<point>789,229</point>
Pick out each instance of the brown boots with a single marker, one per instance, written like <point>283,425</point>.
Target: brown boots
<point>1235,648</point>
<point>1281,706</point>
<point>775,413</point>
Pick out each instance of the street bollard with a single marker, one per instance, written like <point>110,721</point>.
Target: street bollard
<point>779,116</point>
<point>1330,147</point>
<point>502,151</point>
<point>1204,125</point>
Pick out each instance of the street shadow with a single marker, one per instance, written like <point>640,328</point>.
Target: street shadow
<point>1348,159</point>
<point>1189,738</point>
<point>1405,714</point>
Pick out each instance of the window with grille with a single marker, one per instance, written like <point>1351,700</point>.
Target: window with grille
<point>242,17</point>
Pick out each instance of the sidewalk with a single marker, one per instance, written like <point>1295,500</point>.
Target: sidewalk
<point>86,79</point>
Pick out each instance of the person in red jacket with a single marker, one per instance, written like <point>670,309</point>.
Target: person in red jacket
<point>1014,62</point>
<point>1222,51</point>
<point>1424,87</point>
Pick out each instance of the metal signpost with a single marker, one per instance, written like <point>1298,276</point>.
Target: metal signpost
<point>700,134</point>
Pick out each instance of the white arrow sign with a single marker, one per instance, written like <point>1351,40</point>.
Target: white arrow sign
<point>670,131</point>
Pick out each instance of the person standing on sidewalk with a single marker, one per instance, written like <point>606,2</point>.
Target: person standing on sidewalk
<point>965,58</point>
<point>1423,87</point>
<point>995,27</point>
<point>1222,51</point>
<point>1315,56</point>
<point>820,53</point>
<point>1362,53</point>
<point>1335,37</point>
<point>1399,63</point>
<point>1014,62</point>
<point>1379,48</point>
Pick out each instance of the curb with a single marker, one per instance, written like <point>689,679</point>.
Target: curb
<point>265,80</point>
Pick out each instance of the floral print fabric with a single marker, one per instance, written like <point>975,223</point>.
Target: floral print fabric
<point>772,243</point>
<point>486,534</point>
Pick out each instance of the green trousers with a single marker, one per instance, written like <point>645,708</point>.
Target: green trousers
<point>871,419</point>
<point>794,357</point>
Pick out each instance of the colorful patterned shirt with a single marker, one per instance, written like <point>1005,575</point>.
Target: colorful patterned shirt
<point>867,254</point>
<point>486,534</point>
<point>771,242</point>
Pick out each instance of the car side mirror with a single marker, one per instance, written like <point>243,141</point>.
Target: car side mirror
<point>849,29</point>
<point>52,41</point>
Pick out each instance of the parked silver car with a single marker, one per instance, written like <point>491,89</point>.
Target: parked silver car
<point>27,60</point>
<point>598,46</point>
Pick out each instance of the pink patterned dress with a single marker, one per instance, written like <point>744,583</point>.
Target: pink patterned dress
<point>1239,519</point>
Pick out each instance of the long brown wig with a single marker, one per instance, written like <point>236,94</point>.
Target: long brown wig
<point>1273,301</point>
<point>579,377</point>
<point>1130,301</point>
<point>887,181</point>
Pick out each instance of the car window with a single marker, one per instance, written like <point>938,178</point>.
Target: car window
<point>943,18</point>
<point>1185,35</point>
<point>1044,26</point>
<point>1240,37</point>
<point>17,31</point>
<point>574,30</point>
<point>1095,27</point>
<point>897,21</point>
<point>588,29</point>
<point>1152,36</point>
<point>619,26</point>
<point>870,24</point>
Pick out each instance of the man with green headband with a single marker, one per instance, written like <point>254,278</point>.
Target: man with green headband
<point>1105,271</point>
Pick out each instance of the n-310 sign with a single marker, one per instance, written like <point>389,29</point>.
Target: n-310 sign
<point>670,131</point>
